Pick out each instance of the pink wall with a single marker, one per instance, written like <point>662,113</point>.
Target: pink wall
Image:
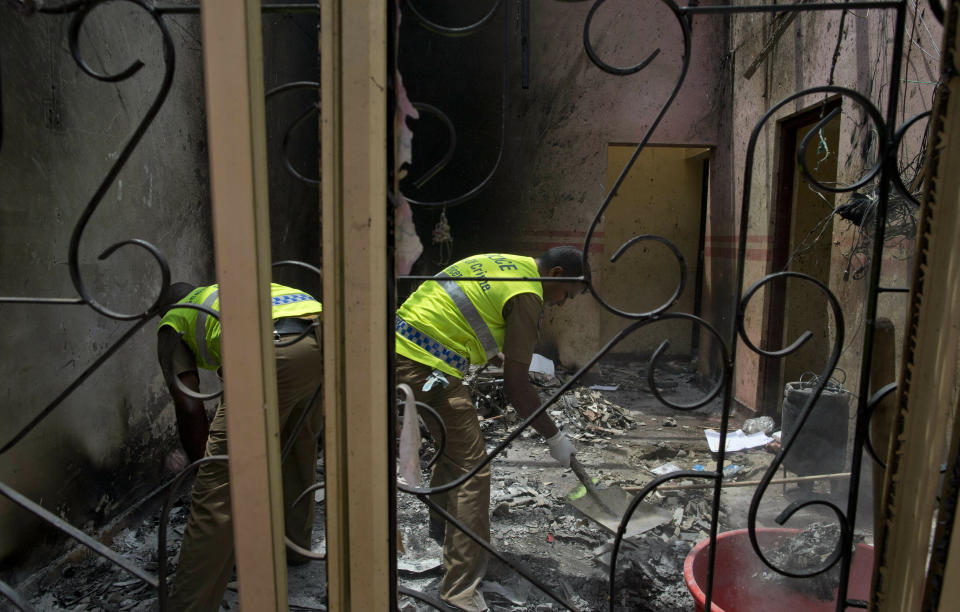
<point>803,57</point>
<point>552,181</point>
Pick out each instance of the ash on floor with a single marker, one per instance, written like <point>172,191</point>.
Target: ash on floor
<point>625,437</point>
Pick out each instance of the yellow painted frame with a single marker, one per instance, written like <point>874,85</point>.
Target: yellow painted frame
<point>353,41</point>
<point>233,70</point>
<point>929,374</point>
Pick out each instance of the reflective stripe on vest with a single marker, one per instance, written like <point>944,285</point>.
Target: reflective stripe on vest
<point>433,310</point>
<point>200,328</point>
<point>469,312</point>
<point>290,298</point>
<point>444,354</point>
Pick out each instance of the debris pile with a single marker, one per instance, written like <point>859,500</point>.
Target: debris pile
<point>624,437</point>
<point>649,573</point>
<point>89,582</point>
<point>582,412</point>
<point>805,553</point>
<point>591,412</point>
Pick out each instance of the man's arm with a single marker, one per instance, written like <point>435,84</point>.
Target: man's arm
<point>177,363</point>
<point>524,396</point>
<point>522,315</point>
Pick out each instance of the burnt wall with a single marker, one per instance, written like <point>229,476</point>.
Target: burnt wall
<point>772,61</point>
<point>104,444</point>
<point>553,151</point>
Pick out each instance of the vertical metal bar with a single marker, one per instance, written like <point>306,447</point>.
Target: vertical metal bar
<point>525,43</point>
<point>390,304</point>
<point>928,374</point>
<point>701,250</point>
<point>357,401</point>
<point>889,151</point>
<point>233,70</point>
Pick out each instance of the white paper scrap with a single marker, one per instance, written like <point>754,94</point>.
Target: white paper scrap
<point>539,363</point>
<point>604,387</point>
<point>666,468</point>
<point>736,440</point>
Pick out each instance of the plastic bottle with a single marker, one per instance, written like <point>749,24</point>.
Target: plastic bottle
<point>764,424</point>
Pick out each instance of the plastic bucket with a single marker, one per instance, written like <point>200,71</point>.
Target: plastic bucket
<point>736,587</point>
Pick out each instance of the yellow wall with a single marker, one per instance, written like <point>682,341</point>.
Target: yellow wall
<point>661,195</point>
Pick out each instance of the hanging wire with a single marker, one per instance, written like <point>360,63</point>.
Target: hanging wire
<point>442,239</point>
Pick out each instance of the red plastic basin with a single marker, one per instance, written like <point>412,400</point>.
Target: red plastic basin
<point>736,587</point>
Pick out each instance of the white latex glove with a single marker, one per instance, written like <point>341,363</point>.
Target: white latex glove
<point>561,448</point>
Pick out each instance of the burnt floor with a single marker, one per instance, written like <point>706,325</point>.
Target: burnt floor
<point>622,436</point>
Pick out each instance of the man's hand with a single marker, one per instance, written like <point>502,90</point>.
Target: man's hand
<point>561,448</point>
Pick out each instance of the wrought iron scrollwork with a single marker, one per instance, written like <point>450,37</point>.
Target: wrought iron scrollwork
<point>452,146</point>
<point>713,392</point>
<point>452,30</point>
<point>897,140</point>
<point>312,110</point>
<point>83,11</point>
<point>608,199</point>
<point>595,58</point>
<point>789,441</point>
<point>175,380</point>
<point>877,397</point>
<point>79,11</point>
<point>504,104</point>
<point>877,171</point>
<point>880,171</point>
<point>441,443</point>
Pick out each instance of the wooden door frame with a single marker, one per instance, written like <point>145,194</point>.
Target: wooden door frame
<point>770,371</point>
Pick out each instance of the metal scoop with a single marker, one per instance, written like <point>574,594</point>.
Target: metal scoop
<point>607,506</point>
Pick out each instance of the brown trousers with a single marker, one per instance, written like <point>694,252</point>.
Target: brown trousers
<point>206,554</point>
<point>464,561</point>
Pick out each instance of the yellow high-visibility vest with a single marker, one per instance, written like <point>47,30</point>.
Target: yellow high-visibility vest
<point>201,331</point>
<point>448,324</point>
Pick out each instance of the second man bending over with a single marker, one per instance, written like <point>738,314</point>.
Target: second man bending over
<point>441,329</point>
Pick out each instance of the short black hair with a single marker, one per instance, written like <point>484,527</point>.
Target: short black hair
<point>569,258</point>
<point>176,292</point>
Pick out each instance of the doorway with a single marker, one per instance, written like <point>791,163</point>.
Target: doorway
<point>801,229</point>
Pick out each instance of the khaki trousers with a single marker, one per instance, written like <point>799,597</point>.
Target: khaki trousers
<point>464,561</point>
<point>206,554</point>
